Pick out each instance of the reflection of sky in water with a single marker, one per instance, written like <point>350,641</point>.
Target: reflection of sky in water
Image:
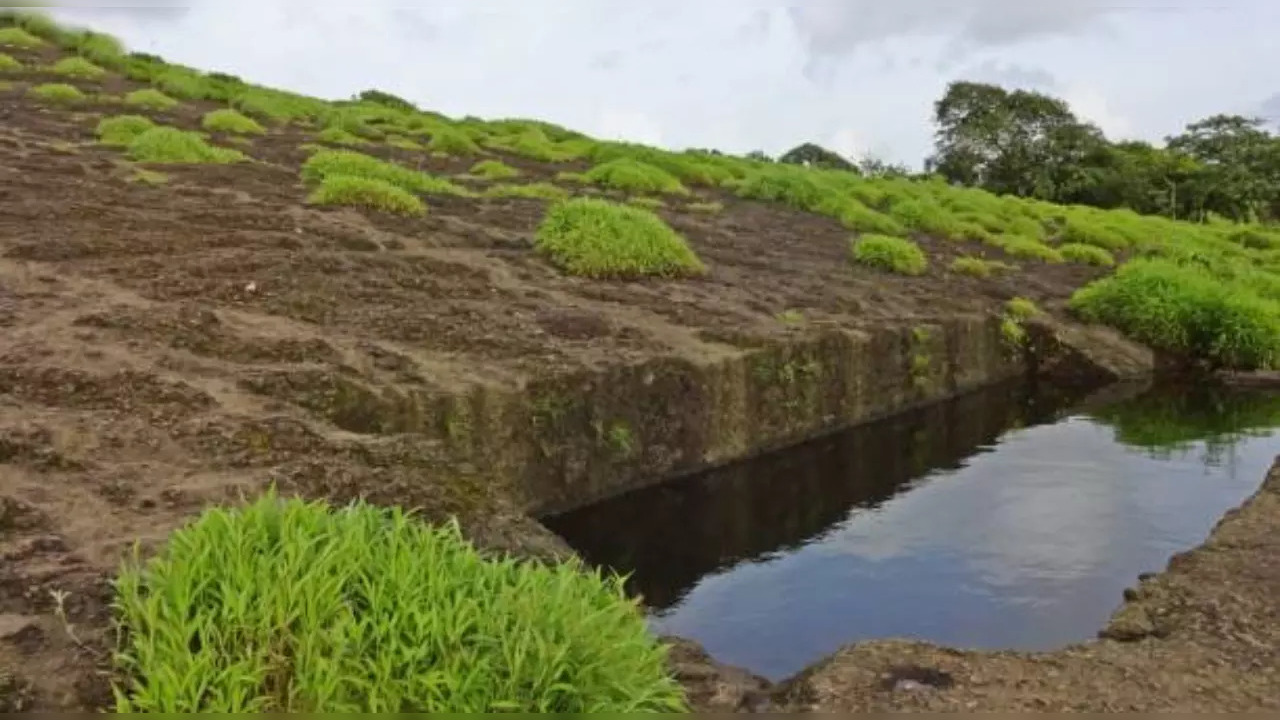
<point>1029,547</point>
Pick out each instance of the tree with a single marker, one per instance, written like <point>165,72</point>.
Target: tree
<point>759,156</point>
<point>1239,175</point>
<point>811,155</point>
<point>875,167</point>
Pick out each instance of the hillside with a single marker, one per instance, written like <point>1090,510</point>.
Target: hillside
<point>208,287</point>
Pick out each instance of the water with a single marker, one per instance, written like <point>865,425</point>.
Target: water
<point>999,520</point>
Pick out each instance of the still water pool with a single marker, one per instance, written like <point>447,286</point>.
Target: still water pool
<point>997,520</point>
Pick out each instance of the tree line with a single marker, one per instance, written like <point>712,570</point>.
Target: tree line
<point>1030,144</point>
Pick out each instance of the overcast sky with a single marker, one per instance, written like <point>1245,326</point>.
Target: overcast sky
<point>859,76</point>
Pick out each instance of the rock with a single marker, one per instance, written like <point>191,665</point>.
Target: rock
<point>711,686</point>
<point>1071,354</point>
<point>1129,624</point>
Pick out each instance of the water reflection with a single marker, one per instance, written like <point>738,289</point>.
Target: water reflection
<point>997,520</point>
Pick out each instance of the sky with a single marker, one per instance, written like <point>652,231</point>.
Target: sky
<point>857,76</point>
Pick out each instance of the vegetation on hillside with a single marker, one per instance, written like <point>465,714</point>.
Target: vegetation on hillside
<point>285,606</point>
<point>598,238</point>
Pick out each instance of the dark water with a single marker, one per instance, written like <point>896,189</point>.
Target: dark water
<point>999,520</point>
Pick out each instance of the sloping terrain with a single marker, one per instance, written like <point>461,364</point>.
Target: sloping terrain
<point>174,335</point>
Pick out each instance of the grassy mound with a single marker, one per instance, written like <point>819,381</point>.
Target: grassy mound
<point>1185,310</point>
<point>17,37</point>
<point>171,145</point>
<point>979,267</point>
<point>353,164</point>
<point>78,67</point>
<point>1087,254</point>
<point>860,218</point>
<point>122,130</point>
<point>294,607</point>
<point>635,177</point>
<point>598,238</point>
<point>538,190</point>
<point>366,192</point>
<point>151,99</point>
<point>894,254</point>
<point>8,63</point>
<point>494,170</point>
<point>57,93</point>
<point>231,121</point>
<point>452,142</point>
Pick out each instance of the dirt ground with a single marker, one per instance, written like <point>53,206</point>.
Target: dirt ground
<point>167,347</point>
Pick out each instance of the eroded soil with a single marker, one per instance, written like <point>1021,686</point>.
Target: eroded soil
<point>165,347</point>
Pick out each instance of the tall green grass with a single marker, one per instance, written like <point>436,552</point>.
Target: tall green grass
<point>151,99</point>
<point>285,606</point>
<point>79,68</point>
<point>170,145</point>
<point>633,176</point>
<point>58,93</point>
<point>121,130</point>
<point>602,239</point>
<point>8,63</point>
<point>353,164</point>
<point>892,254</point>
<point>16,37</point>
<point>230,121</point>
<point>368,193</point>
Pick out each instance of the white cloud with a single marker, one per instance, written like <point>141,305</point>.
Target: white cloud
<point>734,74</point>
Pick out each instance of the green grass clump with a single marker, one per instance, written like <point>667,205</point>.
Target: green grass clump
<point>286,606</point>
<point>340,136</point>
<point>598,238</point>
<point>1087,254</point>
<point>278,106</point>
<point>9,64</point>
<point>122,130</point>
<point>452,142</point>
<point>925,216</point>
<point>632,176</point>
<point>1187,311</point>
<point>860,218</point>
<point>1254,238</point>
<point>230,121</point>
<point>19,38</point>
<point>646,202</point>
<point>170,145</point>
<point>184,83</point>
<point>366,192</point>
<point>494,170</point>
<point>353,164</point>
<point>58,93</point>
<point>1021,246</point>
<point>979,267</point>
<point>893,254</point>
<point>78,67</point>
<point>1021,309</point>
<point>151,99</point>
<point>1086,231</point>
<point>794,187</point>
<point>538,191</point>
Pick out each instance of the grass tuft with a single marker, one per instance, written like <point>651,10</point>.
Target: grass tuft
<point>892,254</point>
<point>57,93</point>
<point>1021,309</point>
<point>151,99</point>
<point>452,142</point>
<point>287,606</point>
<point>78,67</point>
<point>1022,246</point>
<point>170,145</point>
<point>602,239</point>
<point>494,170</point>
<point>979,267</point>
<point>1087,254</point>
<point>633,176</point>
<point>122,130</point>
<point>353,164</point>
<point>9,64</point>
<point>17,37</point>
<point>231,121</point>
<point>368,193</point>
<point>1187,311</point>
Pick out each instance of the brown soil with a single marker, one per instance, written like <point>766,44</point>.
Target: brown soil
<point>173,346</point>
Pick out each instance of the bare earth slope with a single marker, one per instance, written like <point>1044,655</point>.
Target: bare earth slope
<point>165,347</point>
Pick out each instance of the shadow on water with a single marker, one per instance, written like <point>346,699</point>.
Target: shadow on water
<point>1002,519</point>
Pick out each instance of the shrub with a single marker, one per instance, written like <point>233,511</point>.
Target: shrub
<point>540,191</point>
<point>171,145</point>
<point>635,177</point>
<point>230,121</point>
<point>78,67</point>
<point>57,92</point>
<point>452,142</point>
<point>1087,254</point>
<point>893,254</point>
<point>99,47</point>
<point>598,238</point>
<point>151,99</point>
<point>346,162</point>
<point>1021,246</point>
<point>860,218</point>
<point>366,192</point>
<point>494,170</point>
<point>1250,237</point>
<point>286,606</point>
<point>19,38</point>
<point>795,188</point>
<point>122,130</point>
<point>9,64</point>
<point>927,217</point>
<point>387,99</point>
<point>1184,310</point>
<point>979,267</point>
